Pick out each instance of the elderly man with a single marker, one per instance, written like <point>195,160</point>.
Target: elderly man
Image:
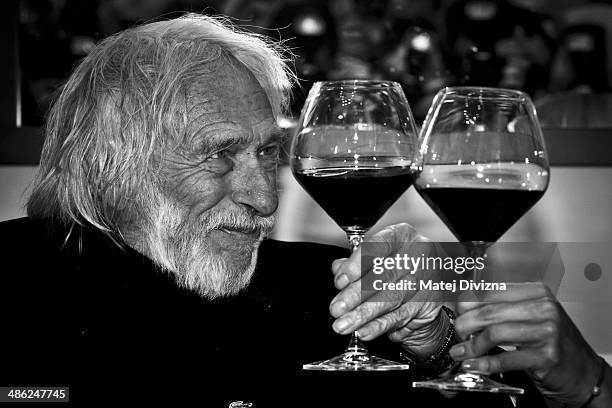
<point>142,272</point>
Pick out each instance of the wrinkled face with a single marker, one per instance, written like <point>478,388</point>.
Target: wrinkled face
<point>218,195</point>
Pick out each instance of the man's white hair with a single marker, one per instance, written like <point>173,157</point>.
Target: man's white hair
<point>125,102</point>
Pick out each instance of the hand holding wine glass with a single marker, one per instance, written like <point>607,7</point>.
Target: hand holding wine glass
<point>549,347</point>
<point>417,325</point>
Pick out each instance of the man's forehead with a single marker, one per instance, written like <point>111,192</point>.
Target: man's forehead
<point>228,87</point>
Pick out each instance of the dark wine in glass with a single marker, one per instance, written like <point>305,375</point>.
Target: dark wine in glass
<point>481,166</point>
<point>374,186</point>
<point>480,204</point>
<point>353,154</point>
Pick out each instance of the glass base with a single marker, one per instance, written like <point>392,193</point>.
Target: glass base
<point>468,382</point>
<point>356,358</point>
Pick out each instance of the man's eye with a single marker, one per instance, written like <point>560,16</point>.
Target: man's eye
<point>222,154</point>
<point>269,151</point>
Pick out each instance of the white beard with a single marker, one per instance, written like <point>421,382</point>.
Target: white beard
<point>184,249</point>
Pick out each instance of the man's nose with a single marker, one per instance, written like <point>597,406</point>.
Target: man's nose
<point>256,189</point>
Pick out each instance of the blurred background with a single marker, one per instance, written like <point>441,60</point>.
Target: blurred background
<point>558,51</point>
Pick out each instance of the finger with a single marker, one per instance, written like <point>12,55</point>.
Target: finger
<point>393,236</point>
<point>392,241</point>
<point>351,294</point>
<point>525,359</point>
<point>346,300</point>
<point>515,292</point>
<point>399,323</point>
<point>364,313</point>
<point>339,267</point>
<point>502,334</point>
<point>347,270</point>
<point>336,265</point>
<point>410,333</point>
<point>405,241</point>
<point>380,325</point>
<point>367,311</point>
<point>533,311</point>
<point>350,298</point>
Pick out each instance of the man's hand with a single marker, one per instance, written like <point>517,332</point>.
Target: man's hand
<point>412,321</point>
<point>548,345</point>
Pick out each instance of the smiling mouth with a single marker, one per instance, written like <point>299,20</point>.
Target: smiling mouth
<point>237,232</point>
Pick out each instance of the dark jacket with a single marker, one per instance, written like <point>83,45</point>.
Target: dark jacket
<point>106,322</point>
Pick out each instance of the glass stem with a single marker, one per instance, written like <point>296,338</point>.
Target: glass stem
<point>355,345</point>
<point>476,249</point>
<point>355,240</point>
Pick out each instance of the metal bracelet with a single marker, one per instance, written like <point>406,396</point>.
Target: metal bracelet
<point>440,360</point>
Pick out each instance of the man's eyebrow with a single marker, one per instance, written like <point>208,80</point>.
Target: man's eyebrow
<point>212,143</point>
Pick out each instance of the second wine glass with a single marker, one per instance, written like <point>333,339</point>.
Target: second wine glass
<point>481,165</point>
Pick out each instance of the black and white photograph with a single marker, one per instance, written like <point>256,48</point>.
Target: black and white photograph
<point>306,203</point>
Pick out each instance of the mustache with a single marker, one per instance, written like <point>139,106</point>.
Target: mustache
<point>238,219</point>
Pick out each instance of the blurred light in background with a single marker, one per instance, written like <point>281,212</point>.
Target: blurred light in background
<point>421,42</point>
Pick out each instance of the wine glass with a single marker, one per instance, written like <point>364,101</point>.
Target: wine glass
<point>352,153</point>
<point>481,165</point>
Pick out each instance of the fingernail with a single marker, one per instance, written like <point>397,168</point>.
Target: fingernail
<point>341,325</point>
<point>342,281</point>
<point>457,351</point>
<point>469,365</point>
<point>337,308</point>
<point>363,334</point>
<point>337,264</point>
